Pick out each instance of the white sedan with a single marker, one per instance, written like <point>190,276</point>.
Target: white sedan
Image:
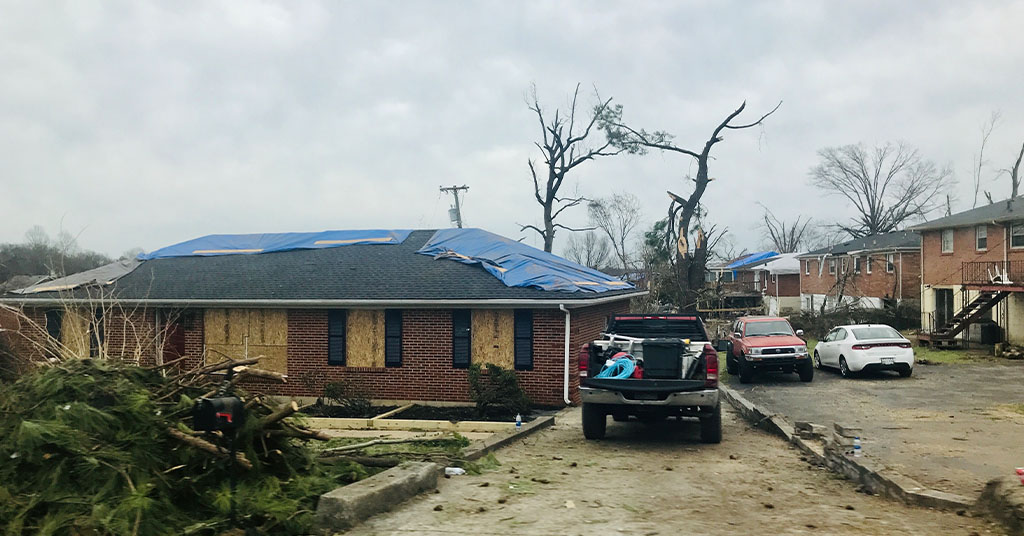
<point>863,347</point>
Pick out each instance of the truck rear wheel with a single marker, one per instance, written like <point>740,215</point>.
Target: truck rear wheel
<point>711,427</point>
<point>595,421</point>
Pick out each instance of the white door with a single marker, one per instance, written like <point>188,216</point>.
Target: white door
<point>838,341</point>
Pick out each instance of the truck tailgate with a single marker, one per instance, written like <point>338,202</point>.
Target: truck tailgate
<point>644,385</point>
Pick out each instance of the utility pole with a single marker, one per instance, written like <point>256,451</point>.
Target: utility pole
<point>455,213</point>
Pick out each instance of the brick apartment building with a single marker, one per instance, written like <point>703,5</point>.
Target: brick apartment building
<point>779,281</point>
<point>973,274</point>
<point>376,312</point>
<point>864,272</point>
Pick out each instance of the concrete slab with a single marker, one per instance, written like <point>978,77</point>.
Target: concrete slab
<point>346,506</point>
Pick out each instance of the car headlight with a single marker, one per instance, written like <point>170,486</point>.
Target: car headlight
<point>801,349</point>
<point>755,351</point>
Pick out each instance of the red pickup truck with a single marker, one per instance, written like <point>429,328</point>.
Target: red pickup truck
<point>766,343</point>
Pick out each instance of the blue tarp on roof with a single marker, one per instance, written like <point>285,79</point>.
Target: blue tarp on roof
<point>516,264</point>
<point>249,244</point>
<point>752,258</point>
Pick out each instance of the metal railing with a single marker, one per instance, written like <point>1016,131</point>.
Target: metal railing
<point>993,272</point>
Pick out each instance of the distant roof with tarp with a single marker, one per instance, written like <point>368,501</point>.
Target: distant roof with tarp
<point>250,244</point>
<point>516,264</point>
<point>751,259</point>
<point>786,263</point>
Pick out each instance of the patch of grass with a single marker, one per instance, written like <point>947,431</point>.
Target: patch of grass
<point>954,356</point>
<point>1016,408</point>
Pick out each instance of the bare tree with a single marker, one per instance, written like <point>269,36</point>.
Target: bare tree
<point>589,250</point>
<point>689,262</point>
<point>784,237</point>
<point>563,147</point>
<point>979,159</point>
<point>617,217</point>
<point>1014,173</point>
<point>888,185</point>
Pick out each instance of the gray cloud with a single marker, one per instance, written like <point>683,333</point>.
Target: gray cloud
<point>142,124</point>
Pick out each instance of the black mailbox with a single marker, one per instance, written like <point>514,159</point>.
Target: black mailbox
<point>212,414</point>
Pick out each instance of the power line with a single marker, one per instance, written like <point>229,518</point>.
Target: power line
<point>455,213</point>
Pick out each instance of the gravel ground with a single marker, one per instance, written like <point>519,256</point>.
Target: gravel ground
<point>950,427</point>
<point>658,479</point>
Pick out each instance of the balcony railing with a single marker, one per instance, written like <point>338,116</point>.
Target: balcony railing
<point>993,273</point>
<point>750,287</point>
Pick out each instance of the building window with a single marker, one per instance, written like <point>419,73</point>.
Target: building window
<point>393,338</point>
<point>54,322</point>
<point>981,237</point>
<point>462,336</point>
<point>867,264</point>
<point>807,267</point>
<point>523,343</point>
<point>844,265</point>
<point>832,266</point>
<point>336,337</point>
<point>1017,235</point>
<point>947,241</point>
<point>856,265</point>
<point>890,262</point>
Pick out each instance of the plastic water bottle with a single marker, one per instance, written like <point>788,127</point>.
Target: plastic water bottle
<point>519,421</point>
<point>856,447</point>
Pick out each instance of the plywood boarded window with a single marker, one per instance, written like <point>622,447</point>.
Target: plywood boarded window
<point>364,338</point>
<point>228,331</point>
<point>524,339</point>
<point>492,337</point>
<point>74,332</point>
<point>462,321</point>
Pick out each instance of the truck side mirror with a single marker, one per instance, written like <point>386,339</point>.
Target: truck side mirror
<point>799,333</point>
<point>722,346</point>
<point>738,335</point>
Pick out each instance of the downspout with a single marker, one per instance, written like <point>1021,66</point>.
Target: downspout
<point>565,385</point>
<point>899,278</point>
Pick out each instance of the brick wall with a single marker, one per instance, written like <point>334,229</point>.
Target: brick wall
<point>788,284</point>
<point>945,268</point>
<point>905,278</point>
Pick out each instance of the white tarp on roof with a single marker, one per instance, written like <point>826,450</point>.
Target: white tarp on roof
<point>787,263</point>
<point>104,275</point>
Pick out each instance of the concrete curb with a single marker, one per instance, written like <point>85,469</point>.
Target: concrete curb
<point>874,478</point>
<point>346,506</point>
<point>479,449</point>
<point>1003,500</point>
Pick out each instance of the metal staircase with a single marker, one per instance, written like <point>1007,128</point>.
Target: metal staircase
<point>981,304</point>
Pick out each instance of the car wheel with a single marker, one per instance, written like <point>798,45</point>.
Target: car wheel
<point>817,360</point>
<point>806,372</point>
<point>595,421</point>
<point>843,368</point>
<point>746,370</point>
<point>905,372</point>
<point>711,427</point>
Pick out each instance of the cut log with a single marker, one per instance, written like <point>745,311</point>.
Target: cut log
<point>206,446</point>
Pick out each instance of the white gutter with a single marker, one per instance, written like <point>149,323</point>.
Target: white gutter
<point>565,388</point>
<point>325,304</point>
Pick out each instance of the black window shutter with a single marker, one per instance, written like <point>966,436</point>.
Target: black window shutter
<point>523,348</point>
<point>336,336</point>
<point>392,338</point>
<point>461,337</point>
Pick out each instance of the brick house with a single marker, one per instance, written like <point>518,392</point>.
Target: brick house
<point>397,323</point>
<point>737,284</point>
<point>779,281</point>
<point>973,274</point>
<point>864,272</point>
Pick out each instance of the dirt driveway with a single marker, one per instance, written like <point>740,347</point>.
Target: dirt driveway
<point>658,479</point>
<point>951,427</point>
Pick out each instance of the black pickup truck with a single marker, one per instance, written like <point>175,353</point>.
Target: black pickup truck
<point>651,367</point>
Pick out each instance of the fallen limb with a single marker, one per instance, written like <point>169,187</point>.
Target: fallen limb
<point>362,460</point>
<point>286,410</point>
<point>206,446</point>
<point>358,446</point>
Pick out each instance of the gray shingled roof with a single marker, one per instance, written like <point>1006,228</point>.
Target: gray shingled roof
<point>1001,211</point>
<point>879,242</point>
<point>356,272</point>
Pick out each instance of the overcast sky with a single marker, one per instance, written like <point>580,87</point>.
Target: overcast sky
<point>148,123</point>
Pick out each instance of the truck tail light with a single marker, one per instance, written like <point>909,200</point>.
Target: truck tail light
<point>710,366</point>
<point>584,359</point>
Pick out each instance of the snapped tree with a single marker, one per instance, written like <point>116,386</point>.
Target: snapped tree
<point>888,186</point>
<point>564,145</point>
<point>688,263</point>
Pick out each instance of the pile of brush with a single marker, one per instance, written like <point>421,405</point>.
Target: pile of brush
<point>101,447</point>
